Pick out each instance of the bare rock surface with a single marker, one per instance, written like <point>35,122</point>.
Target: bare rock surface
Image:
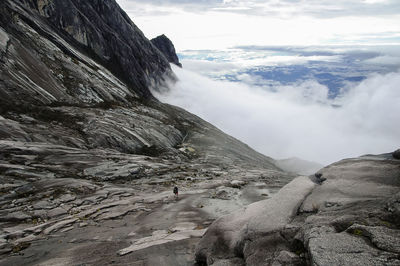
<point>347,214</point>
<point>88,160</point>
<point>167,48</point>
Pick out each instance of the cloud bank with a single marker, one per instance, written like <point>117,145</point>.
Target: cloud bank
<point>297,120</point>
<point>212,24</point>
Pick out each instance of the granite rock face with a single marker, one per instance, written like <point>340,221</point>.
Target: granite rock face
<point>167,48</point>
<point>83,142</point>
<point>99,29</point>
<point>350,217</point>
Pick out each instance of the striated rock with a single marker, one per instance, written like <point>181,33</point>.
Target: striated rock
<point>103,30</point>
<point>158,238</point>
<point>59,225</point>
<point>167,48</point>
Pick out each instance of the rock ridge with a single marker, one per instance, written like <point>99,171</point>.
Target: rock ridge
<point>167,48</point>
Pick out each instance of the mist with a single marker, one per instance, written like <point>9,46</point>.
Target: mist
<point>297,120</point>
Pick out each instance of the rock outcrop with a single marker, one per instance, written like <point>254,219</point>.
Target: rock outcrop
<point>99,29</point>
<point>167,48</point>
<point>58,85</point>
<point>348,215</point>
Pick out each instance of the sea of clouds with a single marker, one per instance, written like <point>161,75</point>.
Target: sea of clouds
<point>298,119</point>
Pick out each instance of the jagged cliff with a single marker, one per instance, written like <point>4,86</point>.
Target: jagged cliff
<point>99,29</point>
<point>167,48</point>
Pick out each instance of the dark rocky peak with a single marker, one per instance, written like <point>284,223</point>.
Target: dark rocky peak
<point>104,32</point>
<point>167,48</point>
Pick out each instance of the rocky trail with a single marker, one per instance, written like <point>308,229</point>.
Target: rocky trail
<point>118,223</point>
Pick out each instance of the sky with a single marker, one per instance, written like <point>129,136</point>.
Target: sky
<point>313,79</point>
<point>212,24</point>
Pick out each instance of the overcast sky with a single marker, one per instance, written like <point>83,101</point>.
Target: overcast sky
<point>212,24</point>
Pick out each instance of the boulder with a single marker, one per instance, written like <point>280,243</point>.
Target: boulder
<point>346,214</point>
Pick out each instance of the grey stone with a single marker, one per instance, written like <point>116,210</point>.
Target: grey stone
<point>382,237</point>
<point>167,48</point>
<point>396,154</point>
<point>345,249</point>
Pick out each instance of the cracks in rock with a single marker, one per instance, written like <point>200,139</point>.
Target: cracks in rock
<point>4,54</point>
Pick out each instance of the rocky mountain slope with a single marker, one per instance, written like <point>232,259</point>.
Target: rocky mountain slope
<point>88,157</point>
<point>88,160</point>
<point>347,214</point>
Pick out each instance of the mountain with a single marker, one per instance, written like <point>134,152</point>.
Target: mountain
<point>89,159</point>
<point>167,48</point>
<point>88,68</point>
<point>84,145</point>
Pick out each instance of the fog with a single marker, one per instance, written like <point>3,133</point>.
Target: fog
<point>297,120</point>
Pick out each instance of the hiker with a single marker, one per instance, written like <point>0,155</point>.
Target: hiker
<point>176,192</point>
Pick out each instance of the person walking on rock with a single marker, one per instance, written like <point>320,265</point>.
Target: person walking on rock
<point>176,192</point>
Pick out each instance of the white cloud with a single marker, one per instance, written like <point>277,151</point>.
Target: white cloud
<point>297,120</point>
<point>384,60</point>
<point>215,25</point>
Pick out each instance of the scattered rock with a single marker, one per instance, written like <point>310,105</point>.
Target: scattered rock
<point>59,225</point>
<point>237,183</point>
